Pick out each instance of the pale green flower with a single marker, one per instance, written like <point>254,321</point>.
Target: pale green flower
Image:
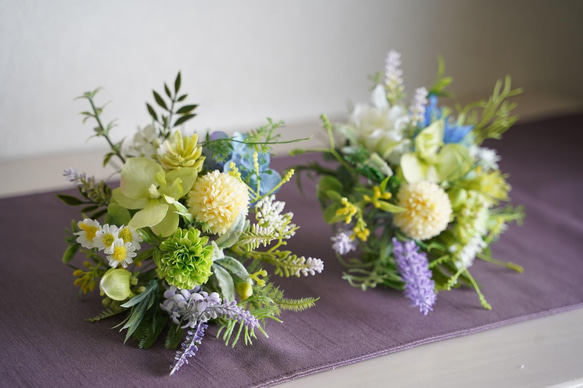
<point>146,186</point>
<point>432,161</point>
<point>115,283</point>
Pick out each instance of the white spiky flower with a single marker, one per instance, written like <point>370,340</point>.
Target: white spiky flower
<point>216,199</point>
<point>417,107</point>
<point>465,257</point>
<point>427,210</point>
<point>269,215</point>
<point>394,77</point>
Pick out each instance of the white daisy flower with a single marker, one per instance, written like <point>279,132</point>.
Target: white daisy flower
<point>129,234</point>
<point>122,253</point>
<point>105,237</point>
<point>88,232</point>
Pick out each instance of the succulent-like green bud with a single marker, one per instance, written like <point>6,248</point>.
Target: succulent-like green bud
<point>181,151</point>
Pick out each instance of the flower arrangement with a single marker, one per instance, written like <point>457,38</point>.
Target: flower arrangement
<point>189,235</point>
<point>412,189</point>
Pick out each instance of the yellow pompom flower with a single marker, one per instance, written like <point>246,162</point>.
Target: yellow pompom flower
<point>216,199</point>
<point>181,151</point>
<point>427,210</point>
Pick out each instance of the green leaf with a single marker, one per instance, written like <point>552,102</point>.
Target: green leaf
<point>107,158</point>
<point>70,200</point>
<point>228,239</point>
<point>167,91</point>
<point>174,337</point>
<point>150,329</point>
<point>234,266</point>
<point>388,207</point>
<point>225,283</point>
<point>152,112</point>
<point>107,313</point>
<point>89,208</point>
<point>182,98</point>
<point>177,83</point>
<point>97,214</point>
<point>159,100</point>
<point>153,285</point>
<point>326,184</point>
<point>334,195</point>
<point>144,255</point>
<point>383,185</point>
<point>183,119</point>
<point>117,215</point>
<point>186,109</point>
<point>330,214</point>
<point>70,252</point>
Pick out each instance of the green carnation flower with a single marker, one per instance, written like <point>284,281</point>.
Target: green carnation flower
<point>184,259</point>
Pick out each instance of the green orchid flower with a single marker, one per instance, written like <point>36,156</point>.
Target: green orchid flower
<point>146,186</point>
<point>433,161</point>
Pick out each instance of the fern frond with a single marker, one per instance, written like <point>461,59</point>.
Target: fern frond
<point>107,313</point>
<point>296,304</point>
<point>288,264</point>
<point>149,329</point>
<point>255,236</point>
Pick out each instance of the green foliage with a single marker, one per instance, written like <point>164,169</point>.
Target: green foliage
<point>150,328</point>
<point>493,117</point>
<point>140,306</point>
<point>296,304</point>
<point>170,109</point>
<point>107,313</point>
<point>262,137</point>
<point>174,337</point>
<point>219,149</point>
<point>441,81</point>
<point>101,130</point>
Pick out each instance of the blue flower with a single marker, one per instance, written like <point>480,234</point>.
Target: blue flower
<point>242,156</point>
<point>452,133</point>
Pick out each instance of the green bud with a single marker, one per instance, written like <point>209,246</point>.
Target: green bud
<point>244,289</point>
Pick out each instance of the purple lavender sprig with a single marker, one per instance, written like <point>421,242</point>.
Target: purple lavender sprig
<point>192,309</point>
<point>414,269</point>
<point>189,346</point>
<point>188,308</point>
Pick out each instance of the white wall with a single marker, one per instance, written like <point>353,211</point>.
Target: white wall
<point>246,60</point>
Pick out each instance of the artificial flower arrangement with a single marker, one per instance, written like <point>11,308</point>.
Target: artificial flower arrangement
<point>186,237</point>
<point>413,191</point>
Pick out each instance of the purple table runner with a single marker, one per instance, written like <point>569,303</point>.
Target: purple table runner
<point>45,341</point>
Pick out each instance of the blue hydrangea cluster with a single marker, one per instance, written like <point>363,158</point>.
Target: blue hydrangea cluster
<point>414,269</point>
<point>242,156</point>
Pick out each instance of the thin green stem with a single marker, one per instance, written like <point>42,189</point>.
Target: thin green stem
<point>104,132</point>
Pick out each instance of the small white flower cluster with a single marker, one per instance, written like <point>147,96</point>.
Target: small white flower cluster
<point>487,158</point>
<point>417,107</point>
<point>145,143</point>
<point>465,257</point>
<point>342,243</point>
<point>120,244</point>
<point>313,266</point>
<point>269,216</point>
<point>394,76</point>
